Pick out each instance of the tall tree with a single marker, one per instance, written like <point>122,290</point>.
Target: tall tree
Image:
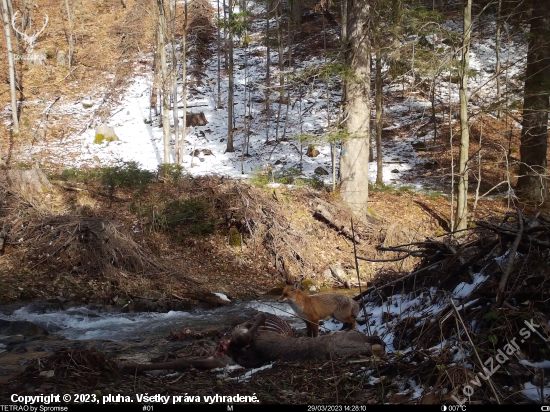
<point>378,100</point>
<point>533,182</point>
<point>25,22</point>
<point>230,99</point>
<point>378,82</point>
<point>164,74</point>
<point>225,56</point>
<point>354,162</point>
<point>174,78</point>
<point>497,41</point>
<point>267,71</point>
<point>281,69</point>
<point>296,11</point>
<point>344,26</point>
<point>462,195</point>
<point>218,50</point>
<point>181,144</point>
<point>11,64</point>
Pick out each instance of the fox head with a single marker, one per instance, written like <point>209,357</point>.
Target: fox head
<point>289,291</point>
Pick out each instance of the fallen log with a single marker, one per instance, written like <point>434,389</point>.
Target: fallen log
<point>324,214</point>
<point>337,273</point>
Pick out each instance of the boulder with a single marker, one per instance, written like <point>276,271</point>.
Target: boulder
<point>87,103</point>
<point>312,151</point>
<point>21,327</point>
<point>45,306</point>
<point>105,133</point>
<point>320,171</point>
<point>212,299</point>
<point>181,305</point>
<point>145,305</point>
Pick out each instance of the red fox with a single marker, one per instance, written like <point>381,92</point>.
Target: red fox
<point>313,308</point>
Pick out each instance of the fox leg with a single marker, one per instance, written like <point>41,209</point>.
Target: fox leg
<point>308,328</point>
<point>314,328</point>
<point>346,326</point>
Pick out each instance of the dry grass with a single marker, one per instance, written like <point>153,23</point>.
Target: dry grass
<point>144,244</point>
<point>107,38</point>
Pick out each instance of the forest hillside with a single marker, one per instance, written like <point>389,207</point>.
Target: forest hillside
<point>166,166</point>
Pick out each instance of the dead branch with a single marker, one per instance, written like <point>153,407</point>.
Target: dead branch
<point>323,213</point>
<point>510,262</point>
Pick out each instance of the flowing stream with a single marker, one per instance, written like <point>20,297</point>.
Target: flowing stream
<point>82,323</point>
<point>78,323</point>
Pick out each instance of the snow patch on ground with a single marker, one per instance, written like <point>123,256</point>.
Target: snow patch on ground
<point>533,392</point>
<point>141,138</point>
<point>222,297</point>
<point>246,377</point>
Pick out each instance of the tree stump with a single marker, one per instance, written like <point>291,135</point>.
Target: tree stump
<point>105,133</point>
<point>28,182</point>
<point>195,119</point>
<point>62,58</point>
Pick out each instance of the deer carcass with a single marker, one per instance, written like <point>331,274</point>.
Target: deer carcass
<point>268,338</point>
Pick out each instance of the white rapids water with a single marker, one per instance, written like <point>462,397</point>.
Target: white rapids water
<point>79,323</point>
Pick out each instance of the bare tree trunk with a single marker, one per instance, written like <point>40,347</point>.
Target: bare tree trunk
<point>11,64</point>
<point>164,71</point>
<point>327,79</point>
<point>379,178</point>
<point>267,74</point>
<point>296,11</point>
<point>178,158</point>
<point>219,63</point>
<point>10,9</point>
<point>281,71</point>
<point>184,75</point>
<point>290,36</point>
<point>70,34</point>
<point>344,27</point>
<point>154,97</point>
<point>25,21</point>
<point>246,117</point>
<point>226,55</point>
<point>499,26</point>
<point>478,167</point>
<point>434,119</point>
<point>230,99</point>
<point>354,163</point>
<point>533,180</point>
<point>462,195</point>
